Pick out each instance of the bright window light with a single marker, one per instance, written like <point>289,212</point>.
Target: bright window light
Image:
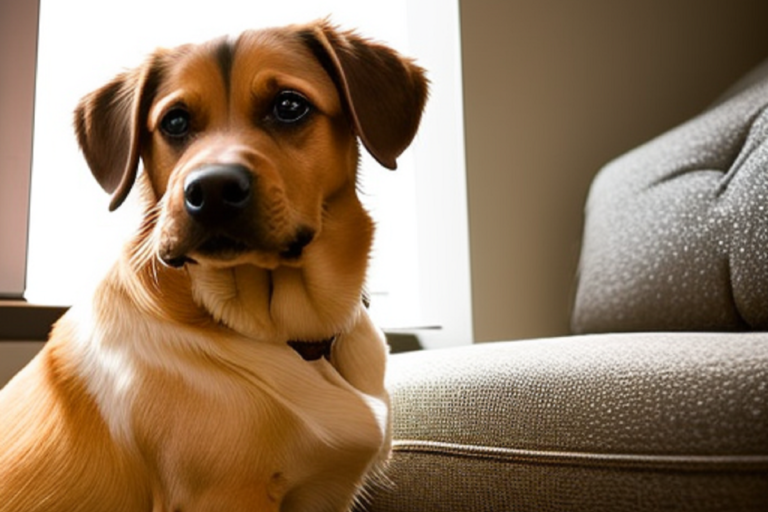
<point>82,44</point>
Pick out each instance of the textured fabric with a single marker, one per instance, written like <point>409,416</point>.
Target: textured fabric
<point>630,422</point>
<point>676,239</point>
<point>441,483</point>
<point>676,231</point>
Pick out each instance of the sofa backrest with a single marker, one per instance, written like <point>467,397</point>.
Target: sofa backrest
<point>676,231</point>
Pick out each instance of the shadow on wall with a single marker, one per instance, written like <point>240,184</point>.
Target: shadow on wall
<point>554,90</point>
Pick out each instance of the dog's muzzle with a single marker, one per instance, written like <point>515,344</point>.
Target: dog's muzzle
<point>220,201</point>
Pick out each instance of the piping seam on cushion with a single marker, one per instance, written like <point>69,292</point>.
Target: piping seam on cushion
<point>690,463</point>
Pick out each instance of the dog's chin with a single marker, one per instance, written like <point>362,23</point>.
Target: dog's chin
<point>262,259</point>
<point>222,252</point>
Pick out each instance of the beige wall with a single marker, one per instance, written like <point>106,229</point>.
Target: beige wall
<point>555,89</point>
<point>17,80</point>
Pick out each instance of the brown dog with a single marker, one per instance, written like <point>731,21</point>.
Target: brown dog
<point>226,362</point>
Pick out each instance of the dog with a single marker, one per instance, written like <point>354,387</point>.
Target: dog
<point>226,362</point>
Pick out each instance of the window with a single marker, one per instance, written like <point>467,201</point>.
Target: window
<point>420,270</point>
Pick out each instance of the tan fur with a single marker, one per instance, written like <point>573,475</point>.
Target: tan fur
<point>175,389</point>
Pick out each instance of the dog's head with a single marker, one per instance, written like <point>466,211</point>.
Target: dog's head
<point>249,145</point>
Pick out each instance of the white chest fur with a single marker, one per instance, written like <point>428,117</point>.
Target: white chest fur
<point>213,414</point>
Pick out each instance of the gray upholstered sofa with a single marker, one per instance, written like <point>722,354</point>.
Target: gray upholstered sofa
<point>659,401</point>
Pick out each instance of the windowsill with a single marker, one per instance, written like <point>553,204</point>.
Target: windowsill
<point>21,321</point>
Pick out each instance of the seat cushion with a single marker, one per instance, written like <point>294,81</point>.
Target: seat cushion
<point>633,422</point>
<point>676,231</point>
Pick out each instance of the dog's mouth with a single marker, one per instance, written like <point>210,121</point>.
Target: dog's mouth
<point>217,247</point>
<point>223,249</point>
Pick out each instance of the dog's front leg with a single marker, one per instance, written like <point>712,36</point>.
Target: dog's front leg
<point>360,356</point>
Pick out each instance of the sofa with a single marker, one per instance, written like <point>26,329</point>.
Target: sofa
<point>659,399</point>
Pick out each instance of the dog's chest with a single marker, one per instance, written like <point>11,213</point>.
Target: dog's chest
<point>256,434</point>
<point>251,417</point>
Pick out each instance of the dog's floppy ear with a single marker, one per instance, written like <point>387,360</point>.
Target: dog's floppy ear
<point>384,92</point>
<point>109,123</point>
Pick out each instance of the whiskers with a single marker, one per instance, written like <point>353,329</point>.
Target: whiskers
<point>143,257</point>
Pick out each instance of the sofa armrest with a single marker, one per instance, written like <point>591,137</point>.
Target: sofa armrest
<point>629,422</point>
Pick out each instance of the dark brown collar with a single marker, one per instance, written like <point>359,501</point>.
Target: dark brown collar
<point>313,350</point>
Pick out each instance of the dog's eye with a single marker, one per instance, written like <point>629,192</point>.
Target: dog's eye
<point>290,107</point>
<point>176,123</point>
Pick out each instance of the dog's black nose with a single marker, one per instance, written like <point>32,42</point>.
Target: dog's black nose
<point>217,193</point>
